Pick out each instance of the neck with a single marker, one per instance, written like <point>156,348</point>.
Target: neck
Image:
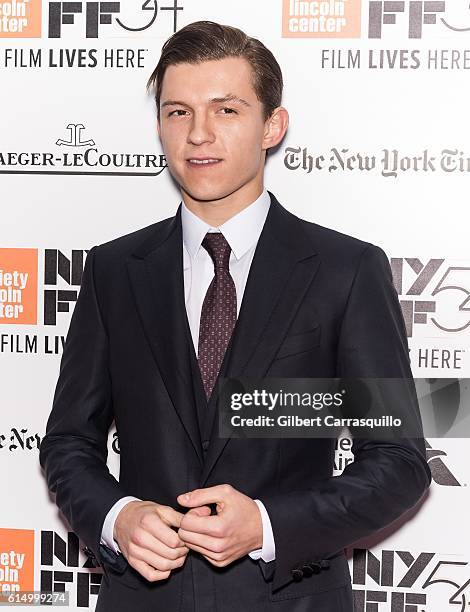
<point>216,212</point>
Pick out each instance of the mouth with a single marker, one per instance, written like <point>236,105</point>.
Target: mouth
<point>200,162</point>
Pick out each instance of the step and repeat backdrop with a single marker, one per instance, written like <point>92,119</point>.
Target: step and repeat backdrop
<point>377,147</point>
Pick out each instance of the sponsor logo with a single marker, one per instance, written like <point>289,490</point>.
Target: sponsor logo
<point>19,439</point>
<point>433,293</point>
<point>390,164</point>
<point>441,474</point>
<point>63,569</point>
<point>402,581</point>
<point>20,19</point>
<point>416,13</point>
<point>22,439</point>
<point>91,18</point>
<point>412,20</point>
<point>62,280</point>
<point>16,560</point>
<point>85,19</point>
<point>18,286</point>
<point>342,18</point>
<point>327,19</point>
<point>88,159</point>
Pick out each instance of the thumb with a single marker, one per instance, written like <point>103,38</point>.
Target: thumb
<point>200,511</point>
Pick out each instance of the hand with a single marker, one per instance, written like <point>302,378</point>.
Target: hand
<point>145,534</point>
<point>233,532</point>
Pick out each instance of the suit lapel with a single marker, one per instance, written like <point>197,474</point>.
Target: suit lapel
<point>156,274</point>
<point>282,269</point>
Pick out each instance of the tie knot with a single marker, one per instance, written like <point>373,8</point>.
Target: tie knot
<point>218,248</point>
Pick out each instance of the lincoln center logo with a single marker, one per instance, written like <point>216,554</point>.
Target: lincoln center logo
<point>328,19</point>
<point>20,19</point>
<point>16,560</point>
<point>383,18</point>
<point>18,286</point>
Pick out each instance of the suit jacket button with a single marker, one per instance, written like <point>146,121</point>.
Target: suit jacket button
<point>307,570</point>
<point>205,445</point>
<point>315,567</point>
<point>88,552</point>
<point>325,564</point>
<point>297,575</point>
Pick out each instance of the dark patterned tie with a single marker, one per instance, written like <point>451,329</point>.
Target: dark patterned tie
<point>218,313</point>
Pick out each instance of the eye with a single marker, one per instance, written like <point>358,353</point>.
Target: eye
<point>178,110</point>
<point>230,110</point>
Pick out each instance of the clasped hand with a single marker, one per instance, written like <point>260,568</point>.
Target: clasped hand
<point>155,539</point>
<point>221,538</point>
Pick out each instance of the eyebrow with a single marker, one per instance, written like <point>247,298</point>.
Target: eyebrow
<point>227,98</point>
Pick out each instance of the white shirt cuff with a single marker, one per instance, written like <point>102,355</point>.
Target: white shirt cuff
<point>107,533</point>
<point>268,552</point>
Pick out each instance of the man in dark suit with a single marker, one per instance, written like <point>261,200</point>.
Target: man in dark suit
<point>233,285</point>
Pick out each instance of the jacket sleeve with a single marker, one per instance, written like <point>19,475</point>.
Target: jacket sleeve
<point>388,476</point>
<point>73,451</point>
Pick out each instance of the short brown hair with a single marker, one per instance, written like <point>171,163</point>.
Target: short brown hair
<point>206,40</point>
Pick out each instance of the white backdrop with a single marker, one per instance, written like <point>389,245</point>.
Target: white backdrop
<point>385,84</point>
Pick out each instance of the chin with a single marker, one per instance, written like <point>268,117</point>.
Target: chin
<point>206,195</point>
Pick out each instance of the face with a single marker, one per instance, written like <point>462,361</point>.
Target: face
<point>213,131</point>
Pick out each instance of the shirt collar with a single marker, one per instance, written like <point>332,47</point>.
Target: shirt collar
<point>241,231</point>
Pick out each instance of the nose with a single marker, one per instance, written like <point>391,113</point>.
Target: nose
<point>200,130</point>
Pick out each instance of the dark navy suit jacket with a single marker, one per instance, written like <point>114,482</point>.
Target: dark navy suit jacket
<point>317,303</point>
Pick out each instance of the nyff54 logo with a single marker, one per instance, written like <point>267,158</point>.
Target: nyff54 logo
<point>432,293</point>
<point>404,581</point>
<point>97,14</point>
<point>23,19</point>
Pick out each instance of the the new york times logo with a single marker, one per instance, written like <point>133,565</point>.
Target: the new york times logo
<point>87,159</point>
<point>440,472</point>
<point>391,164</point>
<point>413,15</point>
<point>63,571</point>
<point>98,14</point>
<point>423,286</point>
<point>22,439</point>
<point>401,581</point>
<point>18,439</point>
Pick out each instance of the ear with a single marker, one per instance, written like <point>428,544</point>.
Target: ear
<point>275,127</point>
<point>158,127</point>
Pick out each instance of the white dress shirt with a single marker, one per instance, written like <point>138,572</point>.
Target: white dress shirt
<point>242,232</point>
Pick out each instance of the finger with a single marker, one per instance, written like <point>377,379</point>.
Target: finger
<point>149,572</point>
<point>158,562</point>
<point>144,540</point>
<point>209,495</point>
<point>213,557</point>
<point>209,525</point>
<point>209,543</point>
<point>159,530</point>
<point>199,511</point>
<point>170,516</point>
